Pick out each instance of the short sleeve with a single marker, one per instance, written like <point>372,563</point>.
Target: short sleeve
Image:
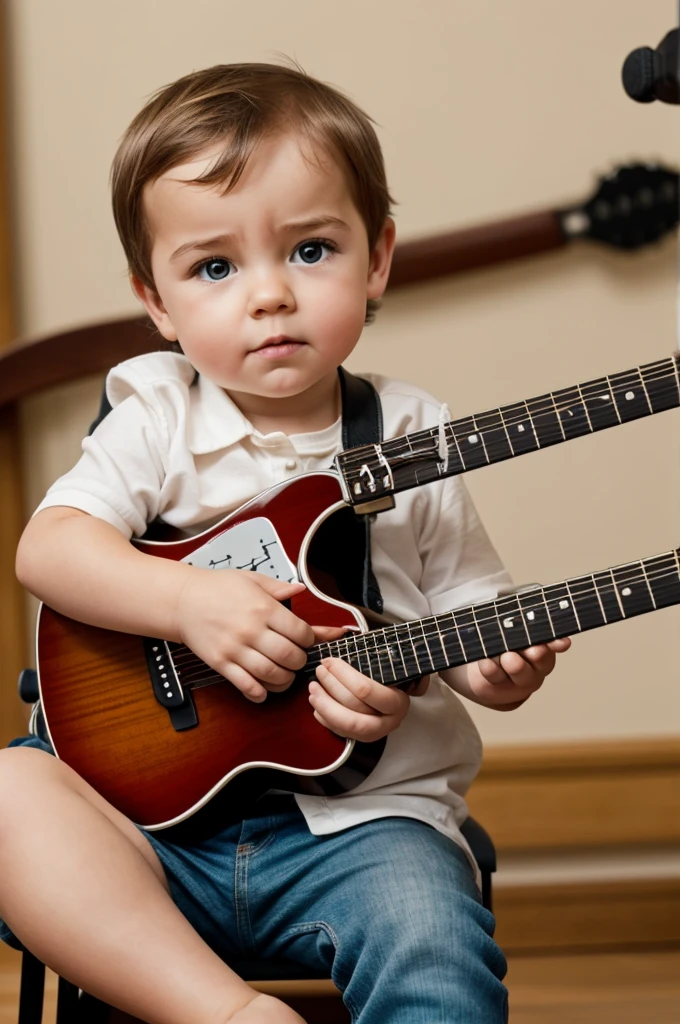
<point>119,475</point>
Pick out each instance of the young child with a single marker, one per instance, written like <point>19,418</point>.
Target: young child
<point>252,204</point>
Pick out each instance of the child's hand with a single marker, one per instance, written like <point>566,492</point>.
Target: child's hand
<point>235,622</point>
<point>352,705</point>
<point>506,682</point>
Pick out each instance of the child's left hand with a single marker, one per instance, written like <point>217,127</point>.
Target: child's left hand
<point>356,707</point>
<point>506,682</point>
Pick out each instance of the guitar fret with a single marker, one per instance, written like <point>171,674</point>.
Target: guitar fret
<point>633,589</point>
<point>455,441</point>
<point>585,409</point>
<point>488,624</point>
<point>468,634</point>
<point>480,433</point>
<point>562,614</point>
<point>629,395</point>
<point>557,413</point>
<point>599,402</point>
<point>516,418</point>
<point>468,439</point>
<point>546,421</point>
<point>450,639</point>
<point>511,623</point>
<point>536,616</point>
<point>610,585</point>
<point>645,393</point>
<point>422,643</point>
<point>375,652</point>
<point>572,413</point>
<point>573,605</point>
<point>616,405</point>
<point>588,607</point>
<point>663,574</point>
<point>662,386</point>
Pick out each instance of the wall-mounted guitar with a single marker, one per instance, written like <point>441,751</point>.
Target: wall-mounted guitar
<point>159,733</point>
<point>635,205</point>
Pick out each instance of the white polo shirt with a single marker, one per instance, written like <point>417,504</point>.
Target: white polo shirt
<point>182,451</point>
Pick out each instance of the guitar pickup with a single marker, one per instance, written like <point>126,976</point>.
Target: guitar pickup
<point>167,688</point>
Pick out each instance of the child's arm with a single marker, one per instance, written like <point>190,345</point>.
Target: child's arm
<point>233,620</point>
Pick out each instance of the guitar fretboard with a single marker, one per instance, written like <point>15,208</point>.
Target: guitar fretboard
<point>371,472</point>
<point>394,654</point>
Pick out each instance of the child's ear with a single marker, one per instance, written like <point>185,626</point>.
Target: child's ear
<point>381,261</point>
<point>152,303</point>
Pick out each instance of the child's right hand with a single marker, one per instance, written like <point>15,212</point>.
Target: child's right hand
<point>234,621</point>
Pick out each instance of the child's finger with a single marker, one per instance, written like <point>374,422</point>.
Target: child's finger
<point>324,634</point>
<point>348,686</point>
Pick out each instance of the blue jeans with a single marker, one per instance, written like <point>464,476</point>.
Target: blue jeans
<point>389,908</point>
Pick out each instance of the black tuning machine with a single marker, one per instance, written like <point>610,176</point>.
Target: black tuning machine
<point>650,75</point>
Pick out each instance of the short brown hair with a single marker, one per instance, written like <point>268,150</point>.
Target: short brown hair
<point>236,105</point>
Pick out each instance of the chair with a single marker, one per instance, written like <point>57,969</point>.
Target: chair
<point>75,1007</point>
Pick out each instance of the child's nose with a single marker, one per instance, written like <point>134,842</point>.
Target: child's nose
<point>271,295</point>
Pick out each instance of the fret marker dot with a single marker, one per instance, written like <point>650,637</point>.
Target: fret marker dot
<point>507,623</point>
<point>629,396</point>
<point>564,604</point>
<point>473,439</point>
<point>531,616</point>
<point>520,428</point>
<point>626,591</point>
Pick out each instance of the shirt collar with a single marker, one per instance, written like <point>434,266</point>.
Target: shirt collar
<point>216,421</point>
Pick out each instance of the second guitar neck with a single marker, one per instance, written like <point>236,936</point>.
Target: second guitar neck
<point>374,472</point>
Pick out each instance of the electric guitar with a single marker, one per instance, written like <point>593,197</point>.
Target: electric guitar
<point>159,734</point>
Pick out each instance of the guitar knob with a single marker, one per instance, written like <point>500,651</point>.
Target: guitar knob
<point>637,75</point>
<point>28,686</point>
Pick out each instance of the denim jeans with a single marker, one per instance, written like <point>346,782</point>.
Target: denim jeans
<point>389,908</point>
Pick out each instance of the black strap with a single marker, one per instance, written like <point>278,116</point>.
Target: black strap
<point>362,424</point>
<point>361,411</point>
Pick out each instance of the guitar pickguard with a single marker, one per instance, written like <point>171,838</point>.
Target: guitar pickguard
<point>252,545</point>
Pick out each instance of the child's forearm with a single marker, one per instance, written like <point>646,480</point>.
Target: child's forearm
<point>83,567</point>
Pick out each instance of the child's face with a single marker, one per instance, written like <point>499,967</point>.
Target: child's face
<point>265,287</point>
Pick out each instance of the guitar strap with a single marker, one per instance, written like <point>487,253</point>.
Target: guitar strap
<point>361,424</point>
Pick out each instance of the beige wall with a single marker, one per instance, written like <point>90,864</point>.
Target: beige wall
<point>484,108</point>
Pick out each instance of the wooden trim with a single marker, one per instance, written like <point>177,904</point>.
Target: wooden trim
<point>455,252</point>
<point>577,916</point>
<point>579,795</point>
<point>29,367</point>
<point>12,620</point>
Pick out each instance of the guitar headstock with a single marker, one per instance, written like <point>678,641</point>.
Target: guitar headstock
<point>634,205</point>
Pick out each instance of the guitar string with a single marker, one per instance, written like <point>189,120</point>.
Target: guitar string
<point>447,621</point>
<point>516,414</point>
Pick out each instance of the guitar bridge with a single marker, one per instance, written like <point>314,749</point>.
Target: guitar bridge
<point>167,687</point>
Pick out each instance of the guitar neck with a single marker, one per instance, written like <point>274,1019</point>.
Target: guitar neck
<point>373,472</point>
<point>393,654</point>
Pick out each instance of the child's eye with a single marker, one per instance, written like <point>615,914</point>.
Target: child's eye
<point>312,251</point>
<point>214,270</point>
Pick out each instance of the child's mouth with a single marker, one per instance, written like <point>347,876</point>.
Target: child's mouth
<point>279,348</point>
